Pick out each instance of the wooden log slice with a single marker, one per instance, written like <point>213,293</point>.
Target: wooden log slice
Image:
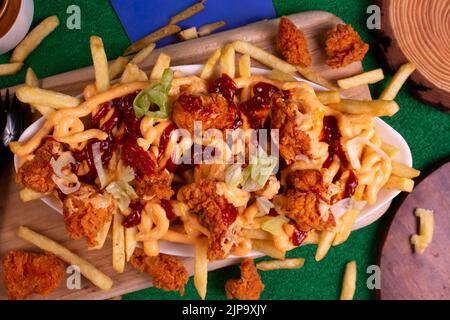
<point>419,31</point>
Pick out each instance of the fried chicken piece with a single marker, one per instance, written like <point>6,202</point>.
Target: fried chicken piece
<point>36,173</point>
<point>212,110</point>
<point>86,211</point>
<point>216,213</point>
<point>307,181</point>
<point>26,273</point>
<point>167,271</point>
<point>306,209</point>
<point>249,286</point>
<point>293,141</point>
<point>292,43</point>
<point>153,185</point>
<point>344,46</point>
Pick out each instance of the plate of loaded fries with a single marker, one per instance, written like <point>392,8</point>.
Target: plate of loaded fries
<point>210,161</point>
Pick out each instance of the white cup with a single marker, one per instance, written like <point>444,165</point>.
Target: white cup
<point>15,21</point>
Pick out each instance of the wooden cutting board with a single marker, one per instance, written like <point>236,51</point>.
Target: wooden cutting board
<point>419,31</point>
<point>404,274</point>
<point>41,218</point>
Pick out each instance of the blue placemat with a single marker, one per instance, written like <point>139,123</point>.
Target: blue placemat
<point>141,17</point>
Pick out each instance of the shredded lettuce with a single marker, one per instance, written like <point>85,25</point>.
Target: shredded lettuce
<point>274,225</point>
<point>264,205</point>
<point>158,94</point>
<point>258,171</point>
<point>121,190</point>
<point>233,175</point>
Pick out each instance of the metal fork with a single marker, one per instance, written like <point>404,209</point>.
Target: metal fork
<point>12,115</point>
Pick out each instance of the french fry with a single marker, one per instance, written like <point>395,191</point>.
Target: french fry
<point>52,99</point>
<point>201,267</point>
<point>325,241</point>
<point>10,68</point>
<point>374,108</point>
<point>30,195</point>
<point>311,238</point>
<point>258,234</point>
<point>118,243</point>
<point>398,183</point>
<point>404,171</point>
<point>364,78</point>
<point>280,264</point>
<point>397,81</point>
<point>117,67</point>
<point>31,79</point>
<point>161,64</point>
<point>349,281</point>
<point>208,68</point>
<point>130,242</point>
<point>281,76</point>
<point>346,227</point>
<point>328,97</point>
<point>315,77</point>
<point>152,38</point>
<point>133,73</point>
<point>43,110</point>
<point>210,28</point>
<point>34,38</point>
<point>268,248</point>
<point>263,56</point>
<point>101,236</point>
<point>187,13</point>
<point>101,67</point>
<point>390,150</point>
<point>426,229</point>
<point>188,34</point>
<point>143,54</point>
<point>90,272</point>
<point>245,66</point>
<point>227,61</point>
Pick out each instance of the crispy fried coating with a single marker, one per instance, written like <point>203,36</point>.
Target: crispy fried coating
<point>153,185</point>
<point>216,213</point>
<point>167,271</point>
<point>344,46</point>
<point>249,286</point>
<point>212,110</point>
<point>36,173</point>
<point>26,273</point>
<point>86,211</point>
<point>307,181</point>
<point>293,141</point>
<point>292,43</point>
<point>306,209</point>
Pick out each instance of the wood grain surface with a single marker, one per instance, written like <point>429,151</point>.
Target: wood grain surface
<point>419,31</point>
<point>404,274</point>
<point>41,218</point>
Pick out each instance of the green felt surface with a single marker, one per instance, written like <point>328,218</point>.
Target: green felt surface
<point>426,130</point>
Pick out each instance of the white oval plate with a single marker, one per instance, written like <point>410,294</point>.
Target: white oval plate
<point>366,217</point>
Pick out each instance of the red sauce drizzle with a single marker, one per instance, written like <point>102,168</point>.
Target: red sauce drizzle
<point>332,136</point>
<point>350,185</point>
<point>167,206</point>
<point>298,236</point>
<point>258,106</point>
<point>229,214</point>
<point>165,138</point>
<point>227,88</point>
<point>133,155</point>
<point>192,104</point>
<point>273,213</point>
<point>224,86</point>
<point>134,218</point>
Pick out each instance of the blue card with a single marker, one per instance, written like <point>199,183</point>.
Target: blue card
<point>141,17</point>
